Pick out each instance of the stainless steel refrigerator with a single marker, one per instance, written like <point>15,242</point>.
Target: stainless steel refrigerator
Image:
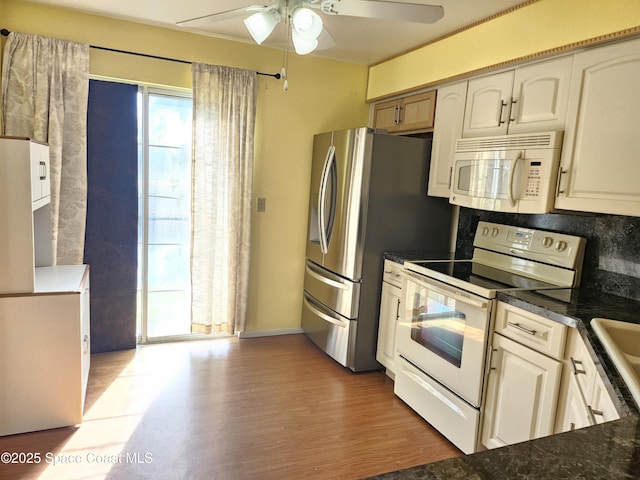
<point>368,196</point>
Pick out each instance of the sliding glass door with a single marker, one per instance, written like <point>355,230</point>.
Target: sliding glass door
<point>164,225</point>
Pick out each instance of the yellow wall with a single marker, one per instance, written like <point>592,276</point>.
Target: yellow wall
<point>538,27</point>
<point>323,95</point>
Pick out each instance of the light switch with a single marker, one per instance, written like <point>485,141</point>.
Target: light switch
<point>262,204</point>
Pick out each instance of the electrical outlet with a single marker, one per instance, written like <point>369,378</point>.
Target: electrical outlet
<point>262,204</point>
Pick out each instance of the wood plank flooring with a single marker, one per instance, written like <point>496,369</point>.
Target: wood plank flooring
<point>256,408</point>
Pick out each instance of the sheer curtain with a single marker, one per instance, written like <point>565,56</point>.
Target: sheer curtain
<point>223,129</point>
<point>45,84</point>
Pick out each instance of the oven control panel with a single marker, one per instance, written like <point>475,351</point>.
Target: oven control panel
<point>540,245</point>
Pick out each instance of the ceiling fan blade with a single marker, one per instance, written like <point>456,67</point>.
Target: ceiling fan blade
<point>407,12</point>
<point>226,15</point>
<point>325,40</point>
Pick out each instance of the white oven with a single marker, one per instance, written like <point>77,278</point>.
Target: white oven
<point>444,332</point>
<point>445,325</point>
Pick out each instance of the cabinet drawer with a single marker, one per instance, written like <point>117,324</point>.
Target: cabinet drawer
<point>391,273</point>
<point>541,334</point>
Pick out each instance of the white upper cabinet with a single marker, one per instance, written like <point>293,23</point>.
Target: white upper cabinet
<point>25,213</point>
<point>488,103</point>
<point>40,183</point>
<point>599,165</point>
<point>528,99</point>
<point>540,96</point>
<point>446,131</point>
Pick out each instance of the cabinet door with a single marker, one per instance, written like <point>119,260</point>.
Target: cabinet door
<point>386,115</point>
<point>602,407</point>
<point>487,108</point>
<point>540,96</point>
<point>522,394</point>
<point>599,165</point>
<point>447,130</point>
<point>417,111</point>
<point>572,408</point>
<point>389,312</point>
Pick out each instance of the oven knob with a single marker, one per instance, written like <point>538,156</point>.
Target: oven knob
<point>494,232</point>
<point>561,245</point>
<point>547,242</point>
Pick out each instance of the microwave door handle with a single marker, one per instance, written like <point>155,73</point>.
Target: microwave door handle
<point>512,173</point>
<point>322,195</point>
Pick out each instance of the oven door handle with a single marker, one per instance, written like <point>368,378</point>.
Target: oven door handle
<point>453,293</point>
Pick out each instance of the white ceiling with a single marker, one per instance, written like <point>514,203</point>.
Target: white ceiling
<point>358,40</point>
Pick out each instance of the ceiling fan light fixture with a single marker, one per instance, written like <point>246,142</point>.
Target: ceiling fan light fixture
<point>303,45</point>
<point>261,24</point>
<point>306,23</point>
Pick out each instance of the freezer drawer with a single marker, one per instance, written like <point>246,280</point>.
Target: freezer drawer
<point>327,329</point>
<point>337,293</point>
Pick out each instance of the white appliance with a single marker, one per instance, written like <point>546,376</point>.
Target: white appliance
<point>445,322</point>
<point>368,195</point>
<point>509,173</point>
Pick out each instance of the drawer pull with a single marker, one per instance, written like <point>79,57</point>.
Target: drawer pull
<point>600,413</point>
<point>576,370</point>
<point>521,328</point>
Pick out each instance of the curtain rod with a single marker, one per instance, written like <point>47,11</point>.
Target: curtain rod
<point>277,76</point>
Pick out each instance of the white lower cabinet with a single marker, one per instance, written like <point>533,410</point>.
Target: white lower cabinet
<point>389,313</point>
<point>45,354</point>
<point>584,399</point>
<point>521,394</point>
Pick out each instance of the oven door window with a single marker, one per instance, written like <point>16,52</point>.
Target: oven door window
<point>438,326</point>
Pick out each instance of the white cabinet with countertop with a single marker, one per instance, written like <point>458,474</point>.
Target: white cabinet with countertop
<point>390,299</point>
<point>25,215</point>
<point>523,377</point>
<point>45,354</point>
<point>599,165</point>
<point>447,130</point>
<point>584,399</point>
<point>528,99</point>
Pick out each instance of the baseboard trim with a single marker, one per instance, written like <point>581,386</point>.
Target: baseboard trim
<point>270,333</point>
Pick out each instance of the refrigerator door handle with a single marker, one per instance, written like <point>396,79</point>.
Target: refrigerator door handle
<point>322,315</point>
<point>323,228</point>
<point>321,278</point>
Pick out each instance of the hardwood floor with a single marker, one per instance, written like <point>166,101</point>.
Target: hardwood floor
<point>256,408</point>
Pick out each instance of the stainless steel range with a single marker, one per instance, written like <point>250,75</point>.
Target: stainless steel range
<point>446,319</point>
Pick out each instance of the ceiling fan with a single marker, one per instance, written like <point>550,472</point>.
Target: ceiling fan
<point>306,26</point>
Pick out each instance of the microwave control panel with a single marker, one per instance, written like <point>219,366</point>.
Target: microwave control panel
<point>534,179</point>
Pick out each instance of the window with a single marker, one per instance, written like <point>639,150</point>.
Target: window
<point>164,222</point>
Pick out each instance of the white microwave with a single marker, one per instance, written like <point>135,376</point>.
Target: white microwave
<point>508,173</point>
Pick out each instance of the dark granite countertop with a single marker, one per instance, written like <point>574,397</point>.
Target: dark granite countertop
<point>607,451</point>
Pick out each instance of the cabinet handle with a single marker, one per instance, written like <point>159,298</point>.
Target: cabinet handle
<point>450,176</point>
<point>85,341</point>
<point>574,365</point>
<point>398,119</point>
<point>397,309</point>
<point>43,171</point>
<point>559,188</point>
<point>491,367</point>
<point>572,427</point>
<point>521,328</point>
<point>502,105</point>
<point>593,413</point>
<point>512,110</point>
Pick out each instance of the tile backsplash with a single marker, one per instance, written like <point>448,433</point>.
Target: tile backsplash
<point>612,255</point>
